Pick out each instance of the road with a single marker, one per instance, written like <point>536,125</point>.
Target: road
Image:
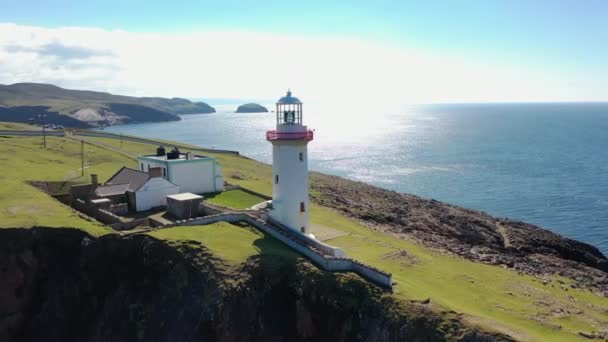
<point>98,134</point>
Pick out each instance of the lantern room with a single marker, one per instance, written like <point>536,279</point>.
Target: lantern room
<point>289,110</point>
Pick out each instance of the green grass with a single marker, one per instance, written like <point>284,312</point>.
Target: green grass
<point>23,159</point>
<point>15,126</point>
<point>489,296</point>
<point>235,199</point>
<point>234,244</point>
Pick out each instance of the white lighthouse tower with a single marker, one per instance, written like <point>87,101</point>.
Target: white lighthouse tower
<point>290,165</point>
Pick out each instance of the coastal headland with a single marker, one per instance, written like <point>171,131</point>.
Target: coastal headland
<point>460,275</point>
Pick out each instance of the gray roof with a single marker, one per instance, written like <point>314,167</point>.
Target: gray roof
<point>111,190</point>
<point>135,179</point>
<point>288,99</point>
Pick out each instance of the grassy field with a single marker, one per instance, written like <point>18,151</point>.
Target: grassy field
<point>23,159</point>
<point>234,244</point>
<point>489,296</point>
<point>235,199</point>
<point>15,126</point>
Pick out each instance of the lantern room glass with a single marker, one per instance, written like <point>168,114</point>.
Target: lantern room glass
<point>289,114</point>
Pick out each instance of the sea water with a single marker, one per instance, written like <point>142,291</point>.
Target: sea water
<point>545,164</point>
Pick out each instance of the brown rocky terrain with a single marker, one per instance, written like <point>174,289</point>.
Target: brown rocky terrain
<point>468,233</point>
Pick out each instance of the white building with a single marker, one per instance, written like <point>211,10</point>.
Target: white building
<point>190,172</point>
<point>290,205</point>
<point>141,190</point>
<point>153,194</point>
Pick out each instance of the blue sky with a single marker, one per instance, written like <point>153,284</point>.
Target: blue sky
<point>561,45</point>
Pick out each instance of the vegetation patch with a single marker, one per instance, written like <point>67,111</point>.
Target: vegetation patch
<point>235,199</point>
<point>233,243</point>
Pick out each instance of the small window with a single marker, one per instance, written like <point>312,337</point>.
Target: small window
<point>142,166</point>
<point>148,167</point>
<point>302,207</point>
<point>276,179</point>
<point>164,172</point>
<point>303,230</point>
<point>301,156</point>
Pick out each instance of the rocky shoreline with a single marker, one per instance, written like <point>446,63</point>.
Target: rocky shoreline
<point>467,233</point>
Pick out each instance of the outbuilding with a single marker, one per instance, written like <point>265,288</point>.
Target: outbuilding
<point>185,205</point>
<point>143,190</point>
<point>190,172</point>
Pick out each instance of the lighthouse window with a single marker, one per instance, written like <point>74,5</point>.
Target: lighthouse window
<point>142,166</point>
<point>302,207</point>
<point>301,156</point>
<point>276,179</point>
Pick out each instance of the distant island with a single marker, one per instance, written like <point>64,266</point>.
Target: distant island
<point>251,108</point>
<point>25,102</point>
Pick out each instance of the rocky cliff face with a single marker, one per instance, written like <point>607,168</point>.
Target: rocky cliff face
<point>62,285</point>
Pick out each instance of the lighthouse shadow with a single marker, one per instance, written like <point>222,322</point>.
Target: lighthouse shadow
<point>272,252</point>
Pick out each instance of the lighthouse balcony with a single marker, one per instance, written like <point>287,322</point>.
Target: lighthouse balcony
<point>275,135</point>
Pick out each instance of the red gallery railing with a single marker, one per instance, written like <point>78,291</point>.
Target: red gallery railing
<point>274,135</point>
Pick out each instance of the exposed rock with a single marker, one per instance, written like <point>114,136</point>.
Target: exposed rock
<point>468,233</point>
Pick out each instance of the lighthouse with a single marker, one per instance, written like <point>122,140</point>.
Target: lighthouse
<point>290,205</point>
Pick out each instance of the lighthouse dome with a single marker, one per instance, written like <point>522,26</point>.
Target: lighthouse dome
<point>288,99</point>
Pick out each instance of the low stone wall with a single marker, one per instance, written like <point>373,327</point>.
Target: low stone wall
<point>106,217</point>
<point>207,209</point>
<point>119,209</point>
<point>319,257</point>
<point>100,215</point>
<point>82,206</point>
<point>128,225</point>
<point>255,193</point>
<point>327,249</point>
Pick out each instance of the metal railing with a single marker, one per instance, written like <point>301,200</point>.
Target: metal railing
<point>275,135</point>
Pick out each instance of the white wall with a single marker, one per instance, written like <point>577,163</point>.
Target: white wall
<point>196,176</point>
<point>292,188</point>
<point>154,193</point>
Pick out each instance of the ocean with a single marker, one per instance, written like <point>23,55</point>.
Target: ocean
<point>544,163</point>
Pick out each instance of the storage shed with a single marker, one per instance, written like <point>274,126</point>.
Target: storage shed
<point>184,205</point>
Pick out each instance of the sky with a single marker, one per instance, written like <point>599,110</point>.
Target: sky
<point>389,51</point>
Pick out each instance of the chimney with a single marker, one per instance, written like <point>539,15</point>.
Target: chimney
<point>155,172</point>
<point>94,181</point>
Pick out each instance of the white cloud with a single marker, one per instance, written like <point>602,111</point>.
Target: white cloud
<point>257,65</point>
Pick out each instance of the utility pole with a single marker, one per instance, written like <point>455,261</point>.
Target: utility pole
<point>82,157</point>
<point>42,116</point>
<point>121,141</point>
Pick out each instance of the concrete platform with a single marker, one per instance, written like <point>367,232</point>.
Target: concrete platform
<point>324,233</point>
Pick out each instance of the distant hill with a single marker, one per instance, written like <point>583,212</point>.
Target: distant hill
<point>251,108</point>
<point>20,102</point>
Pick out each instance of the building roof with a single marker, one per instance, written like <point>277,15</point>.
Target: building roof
<point>111,190</point>
<point>185,196</point>
<point>100,200</point>
<point>134,179</point>
<point>288,99</point>
<point>182,157</point>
